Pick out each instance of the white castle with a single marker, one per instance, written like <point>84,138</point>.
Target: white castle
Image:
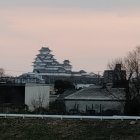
<point>47,68</point>
<point>46,64</point>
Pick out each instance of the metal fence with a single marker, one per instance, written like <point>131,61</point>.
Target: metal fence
<point>70,117</point>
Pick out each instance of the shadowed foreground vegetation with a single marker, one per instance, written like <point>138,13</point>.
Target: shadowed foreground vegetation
<point>44,129</point>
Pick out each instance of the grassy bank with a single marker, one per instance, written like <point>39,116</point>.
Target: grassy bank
<point>50,129</point>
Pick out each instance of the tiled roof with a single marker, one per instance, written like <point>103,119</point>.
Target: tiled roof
<point>98,93</point>
<point>45,48</point>
<point>66,93</point>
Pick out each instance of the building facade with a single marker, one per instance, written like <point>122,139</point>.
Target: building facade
<point>46,64</point>
<point>96,100</point>
<point>38,95</point>
<point>18,96</point>
<point>117,76</point>
<point>49,69</point>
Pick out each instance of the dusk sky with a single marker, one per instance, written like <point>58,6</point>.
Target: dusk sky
<point>89,33</point>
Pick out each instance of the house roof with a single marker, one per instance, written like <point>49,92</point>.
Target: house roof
<point>98,93</point>
<point>66,93</point>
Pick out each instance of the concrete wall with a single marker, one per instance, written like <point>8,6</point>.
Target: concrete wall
<point>37,95</point>
<point>98,106</point>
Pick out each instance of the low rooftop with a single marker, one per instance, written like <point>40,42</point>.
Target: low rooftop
<point>98,93</point>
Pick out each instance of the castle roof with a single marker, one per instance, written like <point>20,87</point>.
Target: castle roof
<point>46,61</point>
<point>45,49</point>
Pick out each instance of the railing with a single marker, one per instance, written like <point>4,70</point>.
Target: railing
<point>70,117</point>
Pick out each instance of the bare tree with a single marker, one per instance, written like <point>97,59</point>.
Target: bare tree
<point>41,99</point>
<point>2,72</point>
<point>38,103</point>
<point>130,63</point>
<point>111,65</point>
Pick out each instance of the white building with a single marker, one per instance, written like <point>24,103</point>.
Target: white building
<point>37,95</point>
<point>46,69</point>
<point>97,100</point>
<point>46,64</point>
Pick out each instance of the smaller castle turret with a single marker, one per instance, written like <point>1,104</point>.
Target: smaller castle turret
<point>67,66</point>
